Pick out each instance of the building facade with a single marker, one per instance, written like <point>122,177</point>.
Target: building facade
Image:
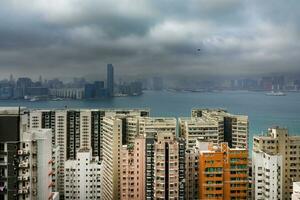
<point>75,129</point>
<point>83,176</point>
<point>267,176</point>
<point>277,142</point>
<point>223,173</point>
<point>296,191</point>
<point>193,128</point>
<point>13,122</point>
<point>166,168</point>
<point>112,142</point>
<point>132,180</point>
<point>235,127</point>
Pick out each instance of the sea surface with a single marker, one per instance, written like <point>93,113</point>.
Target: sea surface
<point>263,111</point>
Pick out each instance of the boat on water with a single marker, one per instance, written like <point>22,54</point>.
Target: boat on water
<point>275,93</point>
<point>34,99</point>
<point>57,99</point>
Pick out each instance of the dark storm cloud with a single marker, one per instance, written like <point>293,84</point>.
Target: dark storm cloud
<point>142,37</point>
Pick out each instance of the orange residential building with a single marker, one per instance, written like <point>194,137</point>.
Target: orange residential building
<point>223,173</point>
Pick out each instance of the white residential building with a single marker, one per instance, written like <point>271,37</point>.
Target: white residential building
<point>83,176</point>
<point>267,176</point>
<point>296,191</point>
<point>275,144</point>
<point>35,165</point>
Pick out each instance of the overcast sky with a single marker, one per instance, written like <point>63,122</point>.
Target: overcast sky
<point>68,38</point>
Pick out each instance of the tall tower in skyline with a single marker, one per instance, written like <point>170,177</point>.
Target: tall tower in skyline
<point>110,80</point>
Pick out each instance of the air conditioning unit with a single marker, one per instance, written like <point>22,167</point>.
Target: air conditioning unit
<point>20,178</point>
<point>20,152</point>
<point>20,191</point>
<point>25,152</point>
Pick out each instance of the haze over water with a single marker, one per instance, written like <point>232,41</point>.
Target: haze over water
<point>263,111</point>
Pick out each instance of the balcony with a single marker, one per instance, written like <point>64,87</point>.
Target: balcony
<point>23,191</point>
<point>24,165</point>
<point>23,152</point>
<point>23,178</point>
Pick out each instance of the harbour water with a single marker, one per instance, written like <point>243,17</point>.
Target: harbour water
<point>263,111</point>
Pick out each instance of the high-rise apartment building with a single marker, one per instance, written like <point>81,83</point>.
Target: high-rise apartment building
<point>112,143</point>
<point>153,167</point>
<point>267,176</point>
<point>110,80</point>
<point>25,158</point>
<point>83,176</point>
<point>166,169</point>
<point>138,137</point>
<point>132,167</point>
<point>223,173</point>
<point>234,128</point>
<point>193,128</point>
<point>32,165</point>
<point>192,168</point>
<point>35,165</point>
<point>154,125</point>
<point>13,122</point>
<point>81,127</point>
<point>75,129</point>
<point>61,141</point>
<point>281,153</point>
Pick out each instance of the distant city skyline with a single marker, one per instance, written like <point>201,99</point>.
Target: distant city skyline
<point>64,39</point>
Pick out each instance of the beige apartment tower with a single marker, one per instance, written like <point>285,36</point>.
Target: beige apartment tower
<point>286,148</point>
<point>233,129</point>
<point>112,142</point>
<point>132,169</point>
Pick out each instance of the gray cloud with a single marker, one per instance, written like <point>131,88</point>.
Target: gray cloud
<point>141,37</point>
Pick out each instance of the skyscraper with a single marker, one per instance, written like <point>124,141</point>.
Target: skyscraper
<point>110,80</point>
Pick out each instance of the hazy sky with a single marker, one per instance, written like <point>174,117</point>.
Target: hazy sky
<point>67,38</point>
